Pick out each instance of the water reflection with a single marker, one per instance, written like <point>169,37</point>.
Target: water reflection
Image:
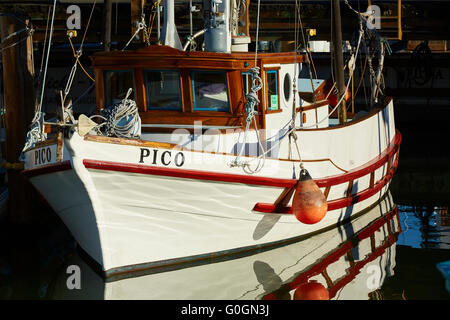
<point>349,263</point>
<point>426,227</point>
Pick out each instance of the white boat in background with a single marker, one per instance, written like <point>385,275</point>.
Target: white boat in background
<point>203,155</point>
<point>350,262</point>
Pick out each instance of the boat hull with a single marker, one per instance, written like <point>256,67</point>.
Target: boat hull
<point>135,207</point>
<point>351,262</point>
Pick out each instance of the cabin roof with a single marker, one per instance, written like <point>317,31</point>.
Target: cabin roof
<point>142,55</point>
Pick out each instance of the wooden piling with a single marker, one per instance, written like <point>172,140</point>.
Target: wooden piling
<point>108,19</point>
<point>19,100</point>
<point>339,60</point>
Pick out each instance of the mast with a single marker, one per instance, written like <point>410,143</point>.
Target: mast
<point>339,60</point>
<point>108,18</point>
<point>169,34</point>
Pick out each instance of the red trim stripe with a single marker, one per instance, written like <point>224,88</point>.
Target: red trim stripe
<point>338,203</point>
<point>247,179</point>
<point>343,249</point>
<point>365,168</point>
<point>186,173</point>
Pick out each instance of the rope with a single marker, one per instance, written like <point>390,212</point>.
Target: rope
<point>36,132</point>
<point>257,32</point>
<point>251,100</point>
<point>77,56</point>
<point>123,120</point>
<point>45,44</point>
<point>29,30</point>
<point>305,44</point>
<point>13,34</point>
<point>14,44</point>
<point>88,23</point>
<point>292,133</point>
<point>154,11</point>
<point>348,84</point>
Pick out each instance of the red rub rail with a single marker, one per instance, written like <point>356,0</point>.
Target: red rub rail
<point>354,267</point>
<point>368,168</point>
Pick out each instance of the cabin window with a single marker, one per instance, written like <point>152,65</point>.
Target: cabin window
<point>273,101</point>
<point>117,83</point>
<point>210,92</point>
<point>163,90</point>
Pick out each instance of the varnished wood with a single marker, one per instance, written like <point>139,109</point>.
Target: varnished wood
<point>372,179</point>
<point>327,278</point>
<point>99,89</point>
<point>350,123</point>
<point>186,91</point>
<point>284,197</point>
<point>319,93</point>
<point>327,192</point>
<point>162,57</point>
<point>312,106</point>
<point>349,188</point>
<point>141,93</point>
<point>130,142</point>
<point>372,242</point>
<point>350,258</point>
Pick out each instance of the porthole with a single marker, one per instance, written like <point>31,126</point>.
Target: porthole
<point>287,86</point>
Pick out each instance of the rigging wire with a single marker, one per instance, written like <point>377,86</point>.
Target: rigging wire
<point>43,49</point>
<point>36,133</point>
<point>347,86</point>
<point>48,54</point>
<point>77,56</point>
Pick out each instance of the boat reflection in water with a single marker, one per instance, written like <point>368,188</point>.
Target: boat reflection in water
<point>347,262</point>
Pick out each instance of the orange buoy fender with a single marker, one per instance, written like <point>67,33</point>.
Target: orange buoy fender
<point>311,291</point>
<point>309,204</point>
<point>333,95</point>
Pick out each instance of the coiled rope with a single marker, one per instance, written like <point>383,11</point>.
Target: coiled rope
<point>251,101</point>
<point>123,119</point>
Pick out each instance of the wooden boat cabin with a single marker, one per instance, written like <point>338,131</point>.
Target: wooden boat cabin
<point>173,87</point>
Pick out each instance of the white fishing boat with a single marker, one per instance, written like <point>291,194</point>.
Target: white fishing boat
<point>203,154</point>
<point>350,262</point>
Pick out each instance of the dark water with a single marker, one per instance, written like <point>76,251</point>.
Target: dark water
<point>403,252</point>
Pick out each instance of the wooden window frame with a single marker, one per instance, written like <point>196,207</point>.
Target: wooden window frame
<point>146,88</point>
<point>104,79</point>
<point>266,89</point>
<point>192,95</point>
